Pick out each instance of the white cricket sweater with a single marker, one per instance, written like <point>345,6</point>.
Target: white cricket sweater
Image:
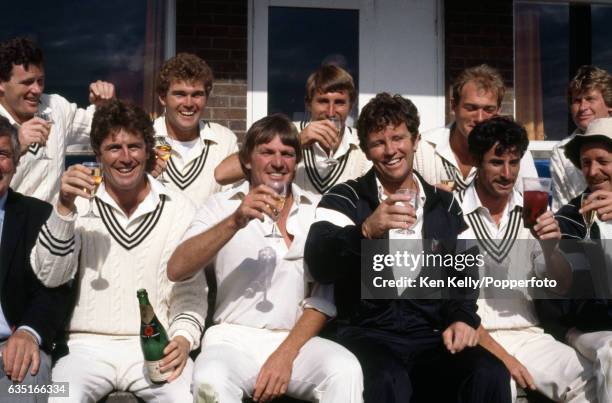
<point>114,256</point>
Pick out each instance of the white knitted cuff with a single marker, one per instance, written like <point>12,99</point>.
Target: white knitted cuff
<point>182,326</point>
<point>320,304</point>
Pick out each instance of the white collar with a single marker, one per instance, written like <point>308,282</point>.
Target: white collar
<point>382,196</point>
<point>471,202</point>
<point>148,204</point>
<point>440,140</point>
<point>562,143</point>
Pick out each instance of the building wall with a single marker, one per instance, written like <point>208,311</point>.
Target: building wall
<point>476,31</point>
<point>217,32</point>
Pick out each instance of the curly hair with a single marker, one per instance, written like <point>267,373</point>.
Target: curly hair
<point>384,110</point>
<point>501,132</point>
<point>18,51</point>
<point>117,115</point>
<point>590,78</point>
<point>330,78</point>
<point>485,77</point>
<point>184,67</point>
<point>263,131</point>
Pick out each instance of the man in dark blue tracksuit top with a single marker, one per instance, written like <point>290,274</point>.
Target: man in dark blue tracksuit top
<point>409,349</point>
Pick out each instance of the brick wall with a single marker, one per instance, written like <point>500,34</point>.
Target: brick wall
<point>479,31</point>
<point>217,32</point>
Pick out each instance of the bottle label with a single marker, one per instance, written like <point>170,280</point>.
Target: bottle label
<point>154,372</point>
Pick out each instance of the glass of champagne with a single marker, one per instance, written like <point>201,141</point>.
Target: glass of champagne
<point>412,202</point>
<point>47,118</point>
<point>96,172</point>
<point>164,150</point>
<point>588,217</point>
<point>281,189</point>
<point>330,160</point>
<point>450,183</point>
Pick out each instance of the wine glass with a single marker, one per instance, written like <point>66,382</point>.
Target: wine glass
<point>413,202</point>
<point>588,217</point>
<point>47,118</point>
<point>330,160</point>
<point>95,171</point>
<point>164,150</point>
<point>281,189</point>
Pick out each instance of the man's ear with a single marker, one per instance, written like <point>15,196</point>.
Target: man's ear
<point>162,100</point>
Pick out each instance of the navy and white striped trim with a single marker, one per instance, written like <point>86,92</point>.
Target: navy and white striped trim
<point>184,180</point>
<point>323,184</point>
<point>497,250</point>
<point>33,148</point>
<point>54,245</point>
<point>123,238</point>
<point>189,318</point>
<point>454,174</point>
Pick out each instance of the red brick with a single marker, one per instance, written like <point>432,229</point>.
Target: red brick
<point>238,102</point>
<point>225,113</point>
<point>239,125</point>
<point>229,89</point>
<point>218,101</point>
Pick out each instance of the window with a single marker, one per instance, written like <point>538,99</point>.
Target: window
<point>113,40</point>
<point>553,39</point>
<point>295,32</point>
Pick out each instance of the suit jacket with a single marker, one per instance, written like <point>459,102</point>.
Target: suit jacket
<point>25,300</point>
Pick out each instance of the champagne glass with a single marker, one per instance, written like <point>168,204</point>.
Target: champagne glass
<point>267,263</point>
<point>281,189</point>
<point>588,217</point>
<point>413,202</point>
<point>96,172</point>
<point>47,118</point>
<point>164,150</point>
<point>536,192</point>
<point>450,183</point>
<point>330,160</point>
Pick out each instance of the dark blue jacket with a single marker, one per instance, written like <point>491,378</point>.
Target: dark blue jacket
<point>333,255</point>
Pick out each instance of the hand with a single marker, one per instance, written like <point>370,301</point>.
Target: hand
<point>35,130</point>
<point>320,131</point>
<point>392,213</point>
<point>546,227</point>
<point>100,92</point>
<point>256,203</point>
<point>175,358</point>
<point>600,201</point>
<point>76,181</point>
<point>458,336</point>
<point>519,373</point>
<point>159,166</point>
<point>20,353</point>
<point>274,376</point>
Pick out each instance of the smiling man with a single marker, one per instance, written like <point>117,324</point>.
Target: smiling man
<point>589,95</point>
<point>444,154</point>
<point>587,324</point>
<point>405,346</point>
<point>330,95</point>
<point>184,85</point>
<point>492,208</point>
<point>109,258</point>
<point>268,311</point>
<point>47,123</point>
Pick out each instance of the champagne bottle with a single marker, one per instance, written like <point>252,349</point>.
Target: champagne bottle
<point>153,339</point>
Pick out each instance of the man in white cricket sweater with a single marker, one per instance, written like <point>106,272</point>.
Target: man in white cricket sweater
<point>141,223</point>
<point>443,153</point>
<point>47,123</point>
<point>184,84</point>
<point>492,208</point>
<point>330,95</point>
<point>268,310</point>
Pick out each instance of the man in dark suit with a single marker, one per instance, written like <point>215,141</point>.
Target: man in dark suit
<point>30,314</point>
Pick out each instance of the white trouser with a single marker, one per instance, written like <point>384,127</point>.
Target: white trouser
<point>98,365</point>
<point>232,356</point>
<point>597,347</point>
<point>558,371</point>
